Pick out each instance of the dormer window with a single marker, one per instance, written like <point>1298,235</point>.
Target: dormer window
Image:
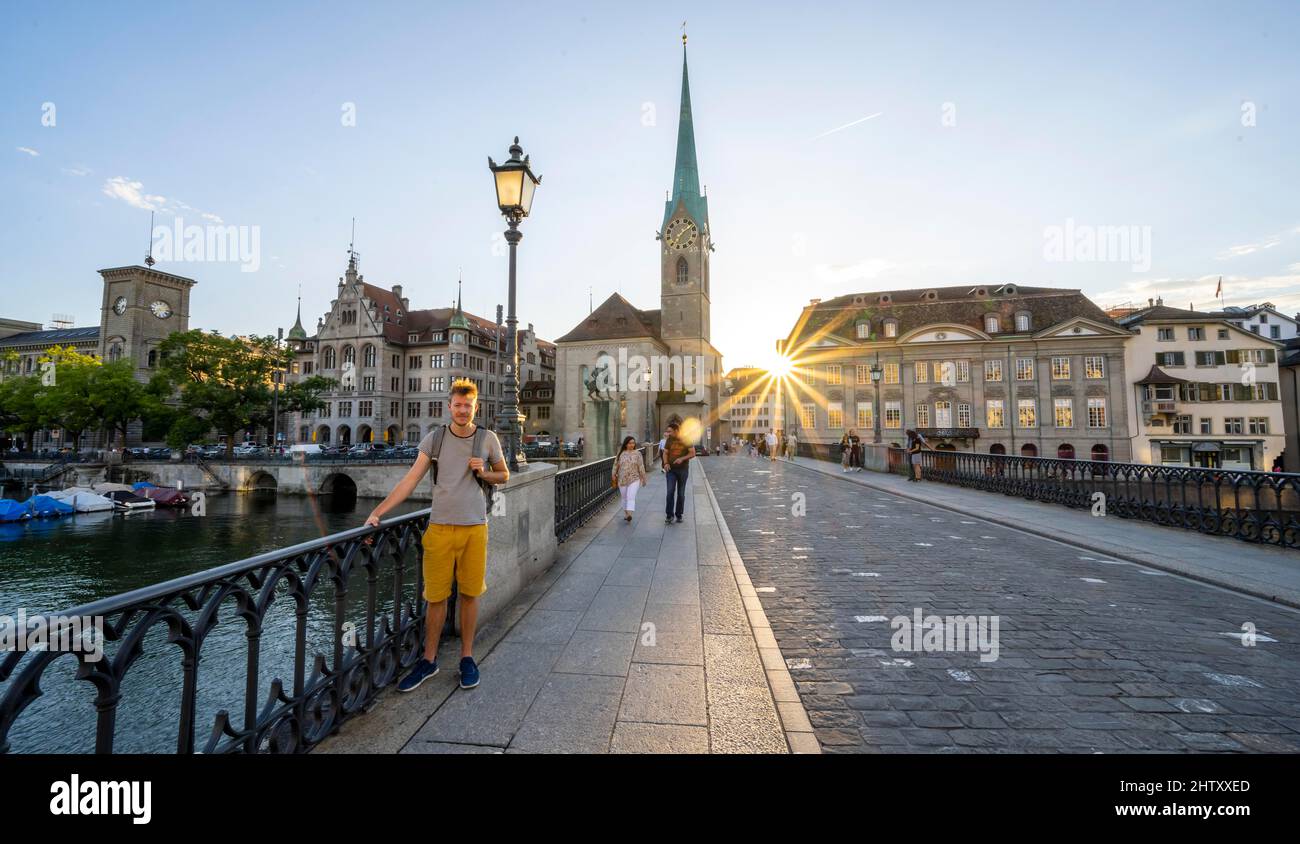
<point>891,328</point>
<point>930,296</point>
<point>884,299</point>
<point>1022,321</point>
<point>980,292</point>
<point>991,324</point>
<point>863,329</point>
<point>412,338</point>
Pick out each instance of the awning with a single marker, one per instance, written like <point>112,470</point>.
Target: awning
<point>1206,447</point>
<point>1156,375</point>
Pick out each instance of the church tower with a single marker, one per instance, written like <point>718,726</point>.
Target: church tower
<point>686,243</point>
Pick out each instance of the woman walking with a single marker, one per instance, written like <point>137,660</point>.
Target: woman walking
<point>915,442</point>
<point>628,475</point>
<point>845,453</point>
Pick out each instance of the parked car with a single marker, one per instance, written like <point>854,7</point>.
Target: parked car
<point>306,449</point>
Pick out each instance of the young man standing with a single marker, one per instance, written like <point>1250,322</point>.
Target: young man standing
<point>676,456</point>
<point>463,458</point>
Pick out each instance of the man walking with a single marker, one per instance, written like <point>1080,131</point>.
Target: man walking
<point>770,442</point>
<point>677,454</point>
<point>465,460</point>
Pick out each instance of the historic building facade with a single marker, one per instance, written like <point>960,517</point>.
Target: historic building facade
<point>753,403</point>
<point>1000,369</point>
<point>673,340</point>
<point>1204,391</point>
<point>394,366</point>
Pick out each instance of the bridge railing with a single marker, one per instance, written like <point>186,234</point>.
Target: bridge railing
<point>316,589</point>
<point>1261,507</point>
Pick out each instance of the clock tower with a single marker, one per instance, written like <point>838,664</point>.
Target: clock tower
<point>141,306</point>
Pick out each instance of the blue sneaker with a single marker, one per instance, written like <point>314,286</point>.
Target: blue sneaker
<point>468,672</point>
<point>423,670</point>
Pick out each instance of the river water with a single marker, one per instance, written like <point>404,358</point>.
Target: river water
<point>48,566</point>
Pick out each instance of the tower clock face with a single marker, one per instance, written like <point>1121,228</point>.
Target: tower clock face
<point>161,309</point>
<point>681,234</point>
<point>119,307</point>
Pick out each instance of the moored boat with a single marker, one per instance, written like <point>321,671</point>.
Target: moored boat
<point>128,502</point>
<point>45,507</point>
<point>14,511</point>
<point>82,499</point>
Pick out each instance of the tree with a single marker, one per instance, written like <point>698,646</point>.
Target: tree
<point>66,386</point>
<point>117,397</point>
<point>20,408</point>
<point>224,382</point>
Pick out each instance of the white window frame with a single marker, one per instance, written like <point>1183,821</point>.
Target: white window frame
<point>1066,405</point>
<point>1027,409</point>
<point>995,414</point>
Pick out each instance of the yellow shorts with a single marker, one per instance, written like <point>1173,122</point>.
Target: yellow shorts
<point>459,550</point>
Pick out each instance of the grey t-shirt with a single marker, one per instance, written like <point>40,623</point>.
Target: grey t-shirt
<point>457,497</point>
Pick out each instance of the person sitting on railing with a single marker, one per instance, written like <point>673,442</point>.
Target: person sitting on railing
<point>455,544</point>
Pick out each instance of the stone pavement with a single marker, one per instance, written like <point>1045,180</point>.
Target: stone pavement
<point>642,637</point>
<point>1265,571</point>
<point>1094,653</point>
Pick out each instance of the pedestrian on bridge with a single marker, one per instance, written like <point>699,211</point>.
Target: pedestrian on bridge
<point>628,475</point>
<point>915,442</point>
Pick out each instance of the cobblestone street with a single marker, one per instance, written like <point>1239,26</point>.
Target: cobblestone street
<point>1094,654</point>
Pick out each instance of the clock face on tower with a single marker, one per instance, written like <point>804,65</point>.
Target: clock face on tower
<point>681,234</point>
<point>119,307</point>
<point>161,309</point>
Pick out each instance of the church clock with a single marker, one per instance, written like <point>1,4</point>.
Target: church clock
<point>681,234</point>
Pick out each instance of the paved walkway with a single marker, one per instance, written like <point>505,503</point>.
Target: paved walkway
<point>1093,653</point>
<point>643,637</point>
<point>1264,571</point>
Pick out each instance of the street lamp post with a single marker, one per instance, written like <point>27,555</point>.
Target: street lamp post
<point>275,394</point>
<point>515,186</point>
<point>500,396</point>
<point>876,374</point>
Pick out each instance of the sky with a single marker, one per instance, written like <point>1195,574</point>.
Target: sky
<point>845,147</point>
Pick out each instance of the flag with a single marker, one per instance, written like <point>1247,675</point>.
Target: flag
<point>1218,291</point>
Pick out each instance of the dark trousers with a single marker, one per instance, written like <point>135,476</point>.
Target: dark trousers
<point>677,479</point>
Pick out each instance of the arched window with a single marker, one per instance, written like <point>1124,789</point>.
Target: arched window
<point>891,328</point>
<point>1100,452</point>
<point>153,358</point>
<point>114,352</point>
<point>1029,450</point>
<point>1022,321</point>
<point>329,357</point>
<point>1065,451</point>
<point>368,355</point>
<point>997,448</point>
<point>991,324</point>
<point>349,355</point>
<point>682,270</point>
<point>864,330</point>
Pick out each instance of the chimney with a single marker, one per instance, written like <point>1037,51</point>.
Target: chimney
<point>397,291</point>
<point>1160,300</point>
<point>1151,303</point>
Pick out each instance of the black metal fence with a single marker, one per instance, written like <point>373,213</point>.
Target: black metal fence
<point>313,588</point>
<point>1259,507</point>
<point>582,491</point>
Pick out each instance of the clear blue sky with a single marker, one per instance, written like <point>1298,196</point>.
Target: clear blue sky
<point>1101,113</point>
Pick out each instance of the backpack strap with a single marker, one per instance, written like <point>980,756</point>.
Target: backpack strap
<point>435,448</point>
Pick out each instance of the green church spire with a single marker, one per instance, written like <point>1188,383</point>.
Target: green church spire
<point>686,173</point>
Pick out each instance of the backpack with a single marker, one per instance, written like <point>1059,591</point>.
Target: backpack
<point>476,449</point>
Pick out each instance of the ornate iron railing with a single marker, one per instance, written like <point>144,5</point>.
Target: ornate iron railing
<point>1254,506</point>
<point>582,491</point>
<point>360,573</point>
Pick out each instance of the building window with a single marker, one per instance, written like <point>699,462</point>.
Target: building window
<point>368,356</point>
<point>963,415</point>
<point>458,337</point>
<point>349,355</point>
<point>923,416</point>
<point>413,409</point>
<point>963,372</point>
<point>993,415</point>
<point>1024,369</point>
<point>1027,413</point>
<point>992,370</point>
<point>1275,331</point>
<point>394,409</point>
<point>1096,413</point>
<point>1223,334</point>
<point>326,410</point>
<point>437,361</point>
<point>1022,321</point>
<point>864,330</point>
<point>435,409</point>
<point>835,415</point>
<point>1182,424</point>
<point>1164,334</point>
<point>808,415</point>
<point>345,409</point>
<point>893,414</point>
<point>365,408</point>
<point>414,362</point>
<point>990,324</point>
<point>1064,411</point>
<point>866,415</point>
<point>891,373</point>
<point>1258,425</point>
<point>1196,333</point>
<point>683,270</point>
<point>1233,425</point>
<point>329,357</point>
<point>1170,359</point>
<point>1094,367</point>
<point>413,385</point>
<point>834,376</point>
<point>438,383</point>
<point>1065,451</point>
<point>544,411</point>
<point>891,328</point>
<point>368,382</point>
<point>1060,369</point>
<point>922,371</point>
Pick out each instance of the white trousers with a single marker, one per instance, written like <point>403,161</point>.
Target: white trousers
<point>628,493</point>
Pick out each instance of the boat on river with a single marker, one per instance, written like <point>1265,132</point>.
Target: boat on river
<point>129,502</point>
<point>83,500</point>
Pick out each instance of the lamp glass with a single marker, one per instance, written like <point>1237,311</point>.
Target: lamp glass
<point>509,187</point>
<point>527,186</point>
